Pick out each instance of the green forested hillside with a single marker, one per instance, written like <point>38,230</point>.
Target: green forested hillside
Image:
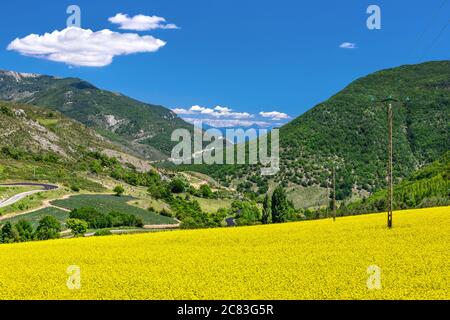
<point>140,127</point>
<point>349,131</point>
<point>427,187</point>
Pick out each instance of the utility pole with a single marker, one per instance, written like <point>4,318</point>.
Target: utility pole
<point>334,193</point>
<point>389,101</point>
<point>328,198</point>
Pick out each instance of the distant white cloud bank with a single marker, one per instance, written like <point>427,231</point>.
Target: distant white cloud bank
<point>229,123</point>
<point>224,117</point>
<point>140,22</point>
<point>217,112</point>
<point>84,47</point>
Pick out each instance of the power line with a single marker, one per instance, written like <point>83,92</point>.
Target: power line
<point>435,39</point>
<point>420,36</point>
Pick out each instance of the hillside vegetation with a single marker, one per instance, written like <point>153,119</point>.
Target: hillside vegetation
<point>429,186</point>
<point>349,131</point>
<point>142,128</point>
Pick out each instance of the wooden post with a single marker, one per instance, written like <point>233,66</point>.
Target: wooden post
<point>390,169</point>
<point>334,193</point>
<point>328,199</point>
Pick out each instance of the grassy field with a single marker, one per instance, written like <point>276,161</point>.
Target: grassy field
<point>107,203</point>
<point>318,259</point>
<point>307,197</point>
<point>212,205</point>
<point>35,216</point>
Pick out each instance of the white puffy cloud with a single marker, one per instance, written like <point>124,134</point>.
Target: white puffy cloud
<point>84,47</point>
<point>228,123</point>
<point>182,111</point>
<point>140,22</point>
<point>218,112</point>
<point>197,108</point>
<point>347,45</point>
<point>274,115</point>
<point>222,109</point>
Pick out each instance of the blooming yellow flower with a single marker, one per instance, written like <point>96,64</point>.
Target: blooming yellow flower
<point>304,260</point>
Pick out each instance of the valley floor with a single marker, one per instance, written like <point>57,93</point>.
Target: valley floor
<point>318,259</point>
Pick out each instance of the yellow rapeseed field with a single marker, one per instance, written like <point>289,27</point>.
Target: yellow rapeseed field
<point>304,260</point>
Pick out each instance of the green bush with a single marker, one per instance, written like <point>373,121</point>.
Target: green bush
<point>75,188</point>
<point>8,234</point>
<point>102,232</point>
<point>48,228</point>
<point>245,212</point>
<point>206,192</point>
<point>78,227</point>
<point>98,220</point>
<point>118,190</point>
<point>177,185</point>
<point>25,230</point>
<point>166,213</point>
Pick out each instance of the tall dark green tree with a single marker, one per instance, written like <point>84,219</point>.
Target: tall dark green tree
<point>267,210</point>
<point>49,228</point>
<point>25,230</point>
<point>8,234</point>
<point>280,205</point>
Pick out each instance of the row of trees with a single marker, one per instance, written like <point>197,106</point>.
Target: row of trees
<point>276,208</point>
<point>80,220</point>
<point>48,228</point>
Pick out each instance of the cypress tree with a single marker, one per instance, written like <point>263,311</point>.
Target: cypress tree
<point>267,210</point>
<point>280,206</point>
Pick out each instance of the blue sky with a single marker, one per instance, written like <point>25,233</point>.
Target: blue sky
<point>247,56</point>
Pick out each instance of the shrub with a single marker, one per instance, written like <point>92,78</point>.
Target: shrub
<point>118,190</point>
<point>246,212</point>
<point>48,228</point>
<point>206,192</point>
<point>120,219</point>
<point>103,232</point>
<point>6,111</point>
<point>98,220</point>
<point>95,219</point>
<point>78,227</point>
<point>177,185</point>
<point>8,234</point>
<point>166,213</point>
<point>75,188</point>
<point>24,230</point>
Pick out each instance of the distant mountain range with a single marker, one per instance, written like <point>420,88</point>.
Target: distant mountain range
<point>141,128</point>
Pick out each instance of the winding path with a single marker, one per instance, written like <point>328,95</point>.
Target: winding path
<point>20,196</point>
<point>47,203</point>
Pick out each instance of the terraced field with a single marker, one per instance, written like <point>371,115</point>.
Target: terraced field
<point>35,216</point>
<point>318,259</point>
<point>107,203</point>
